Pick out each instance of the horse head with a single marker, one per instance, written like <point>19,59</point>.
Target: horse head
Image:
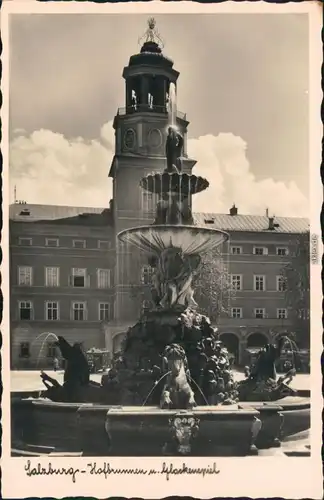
<point>174,358</point>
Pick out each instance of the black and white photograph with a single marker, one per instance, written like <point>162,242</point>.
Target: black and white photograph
<point>162,203</point>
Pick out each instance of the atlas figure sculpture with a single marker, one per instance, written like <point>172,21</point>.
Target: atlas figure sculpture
<point>173,151</point>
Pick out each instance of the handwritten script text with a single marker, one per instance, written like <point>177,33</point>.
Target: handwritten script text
<point>106,470</point>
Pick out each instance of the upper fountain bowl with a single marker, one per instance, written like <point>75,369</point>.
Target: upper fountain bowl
<point>191,239</point>
<point>173,182</point>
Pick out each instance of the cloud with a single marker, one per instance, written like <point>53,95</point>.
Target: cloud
<point>49,168</point>
<point>223,160</point>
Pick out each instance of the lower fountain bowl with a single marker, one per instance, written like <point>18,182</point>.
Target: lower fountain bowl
<point>90,429</point>
<point>191,239</point>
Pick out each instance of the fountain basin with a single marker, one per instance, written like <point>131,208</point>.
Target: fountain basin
<point>191,239</point>
<point>281,419</point>
<point>106,430</point>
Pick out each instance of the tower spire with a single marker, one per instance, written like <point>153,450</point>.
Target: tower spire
<point>151,35</point>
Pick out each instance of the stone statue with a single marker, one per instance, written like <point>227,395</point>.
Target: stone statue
<point>177,393</point>
<point>173,150</point>
<point>216,378</point>
<point>261,383</point>
<point>173,210</point>
<point>265,366</point>
<point>173,278</point>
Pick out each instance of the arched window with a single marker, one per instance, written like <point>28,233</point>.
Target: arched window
<point>257,340</point>
<point>231,342</point>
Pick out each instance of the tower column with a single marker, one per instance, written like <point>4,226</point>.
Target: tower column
<point>128,94</point>
<point>144,92</point>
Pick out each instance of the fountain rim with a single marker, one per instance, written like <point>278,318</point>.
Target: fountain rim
<point>179,227</point>
<point>159,175</point>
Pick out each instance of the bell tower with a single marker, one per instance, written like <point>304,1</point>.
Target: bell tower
<point>141,128</point>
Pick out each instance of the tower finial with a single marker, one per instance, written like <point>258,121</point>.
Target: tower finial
<point>151,34</point>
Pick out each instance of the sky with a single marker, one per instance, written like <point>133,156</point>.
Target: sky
<point>243,84</point>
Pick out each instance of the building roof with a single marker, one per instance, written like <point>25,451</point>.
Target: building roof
<point>57,214</point>
<point>99,216</point>
<point>252,223</point>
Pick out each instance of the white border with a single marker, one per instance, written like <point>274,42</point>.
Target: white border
<point>251,477</point>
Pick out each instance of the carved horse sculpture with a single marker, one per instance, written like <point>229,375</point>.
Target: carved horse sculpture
<point>177,393</point>
<point>261,383</point>
<point>265,367</point>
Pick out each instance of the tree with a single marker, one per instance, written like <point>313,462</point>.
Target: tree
<point>212,286</point>
<point>297,287</point>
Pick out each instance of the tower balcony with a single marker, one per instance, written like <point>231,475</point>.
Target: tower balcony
<point>146,108</point>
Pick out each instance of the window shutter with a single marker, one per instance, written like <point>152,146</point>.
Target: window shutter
<point>70,282</point>
<point>265,251</point>
<point>88,281</point>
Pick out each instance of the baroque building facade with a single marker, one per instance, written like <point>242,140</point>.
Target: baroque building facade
<point>71,276</point>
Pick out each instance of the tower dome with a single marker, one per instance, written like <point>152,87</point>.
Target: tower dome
<point>149,75</point>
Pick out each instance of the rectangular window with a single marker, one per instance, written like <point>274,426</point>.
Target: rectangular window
<point>303,314</point>
<point>260,251</point>
<point>146,275</point>
<point>25,242</point>
<point>79,277</point>
<point>103,276</point>
<point>282,251</point>
<point>104,311</point>
<point>25,276</point>
<point>259,283</point>
<point>146,306</point>
<point>51,350</point>
<point>148,202</point>
<point>52,311</point>
<point>236,250</point>
<point>52,276</point>
<point>281,284</point>
<point>282,313</point>
<point>259,313</point>
<point>25,310</point>
<point>104,245</point>
<point>236,281</point>
<point>79,243</point>
<point>236,312</point>
<point>24,350</point>
<point>79,310</point>
<point>51,242</point>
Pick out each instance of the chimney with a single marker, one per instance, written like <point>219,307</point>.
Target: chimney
<point>272,224</point>
<point>267,212</point>
<point>233,210</point>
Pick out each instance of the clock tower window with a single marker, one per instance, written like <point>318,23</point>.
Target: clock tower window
<point>148,75</point>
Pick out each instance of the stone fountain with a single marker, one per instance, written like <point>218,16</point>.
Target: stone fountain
<point>170,390</point>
